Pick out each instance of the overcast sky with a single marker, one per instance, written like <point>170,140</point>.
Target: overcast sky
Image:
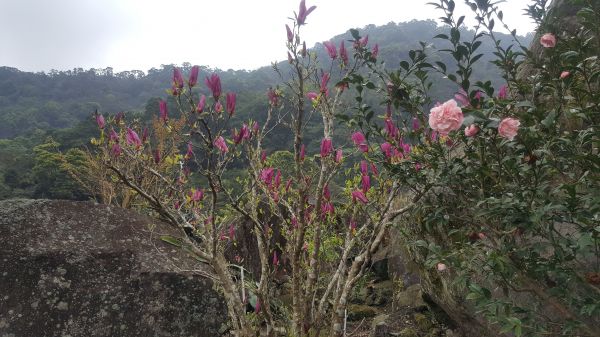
<point>40,35</point>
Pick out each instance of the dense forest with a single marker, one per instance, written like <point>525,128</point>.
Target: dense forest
<point>44,116</point>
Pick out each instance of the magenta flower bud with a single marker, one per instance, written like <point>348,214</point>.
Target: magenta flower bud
<point>116,150</point>
<point>201,104</point>
<point>193,76</point>
<point>386,148</point>
<point>327,208</point>
<point>290,34</point>
<point>114,136</point>
<point>230,103</point>
<point>326,192</point>
<point>331,50</point>
<point>338,156</point>
<point>343,54</point>
<point>213,82</point>
<point>100,121</point>
<point>374,170</point>
<point>462,97</point>
<point>220,144</point>
<point>303,13</point>
<point>198,195</point>
<point>145,135</point>
<point>156,156</point>
<point>503,92</point>
<point>287,185</point>
<point>302,152</point>
<point>375,51</point>
<point>415,124</point>
<point>360,141</point>
<point>360,196</point>
<point>190,151</point>
<point>324,81</point>
<point>391,128</point>
<point>177,78</point>
<point>163,111</point>
<point>352,225</point>
<point>362,42</point>
<point>273,97</point>
<point>564,75</point>
<point>364,167</point>
<point>366,183</point>
<point>263,156</point>
<point>312,96</point>
<point>275,259</point>
<point>277,179</point>
<point>266,176</point>
<point>132,138</point>
<point>231,231</point>
<point>218,107</point>
<point>326,147</point>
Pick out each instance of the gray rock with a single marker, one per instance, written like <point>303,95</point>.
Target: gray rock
<point>83,269</point>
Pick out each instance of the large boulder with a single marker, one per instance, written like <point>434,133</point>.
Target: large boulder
<point>84,269</point>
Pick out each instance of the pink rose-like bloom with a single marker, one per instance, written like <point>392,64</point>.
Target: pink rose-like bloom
<point>508,128</point>
<point>326,147</point>
<point>548,40</point>
<point>441,266</point>
<point>221,145</point>
<point>564,75</point>
<point>446,117</point>
<point>471,130</point>
<point>331,50</point>
<point>503,92</point>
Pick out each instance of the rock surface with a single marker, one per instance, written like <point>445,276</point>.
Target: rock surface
<point>83,269</point>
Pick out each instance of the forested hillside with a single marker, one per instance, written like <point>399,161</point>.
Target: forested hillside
<point>42,114</point>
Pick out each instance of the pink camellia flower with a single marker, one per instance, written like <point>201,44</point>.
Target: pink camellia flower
<point>338,156</point>
<point>564,75</point>
<point>386,148</point>
<point>359,140</point>
<point>230,103</point>
<point>177,78</point>
<point>366,183</point>
<point>116,150</point>
<point>100,121</point>
<point>441,266</point>
<point>324,81</point>
<point>303,13</point>
<point>360,196</point>
<point>508,128</point>
<point>326,147</point>
<point>343,54</point>
<point>462,97</point>
<point>157,156</point>
<point>213,82</point>
<point>446,117</point>
<point>548,40</point>
<point>471,130</point>
<point>218,107</point>
<point>312,96</point>
<point>193,76</point>
<point>201,104</point>
<point>503,92</point>
<point>391,128</point>
<point>132,138</point>
<point>163,111</point>
<point>331,50</point>
<point>290,35</point>
<point>302,152</point>
<point>220,144</point>
<point>375,51</point>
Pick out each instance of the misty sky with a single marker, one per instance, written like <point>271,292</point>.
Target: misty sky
<point>40,35</point>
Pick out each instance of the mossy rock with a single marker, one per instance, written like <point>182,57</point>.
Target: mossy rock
<point>408,332</point>
<point>412,298</point>
<point>423,322</point>
<point>357,312</point>
<point>381,294</point>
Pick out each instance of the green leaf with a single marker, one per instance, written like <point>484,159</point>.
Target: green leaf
<point>171,240</point>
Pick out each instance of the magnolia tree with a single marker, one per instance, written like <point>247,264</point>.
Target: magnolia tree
<point>329,233</point>
<point>510,178</point>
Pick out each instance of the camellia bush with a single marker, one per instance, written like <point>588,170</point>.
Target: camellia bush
<point>495,190</point>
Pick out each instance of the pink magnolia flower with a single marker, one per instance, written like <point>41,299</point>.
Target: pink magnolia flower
<point>374,170</point>
<point>263,156</point>
<point>312,96</point>
<point>386,148</point>
<point>177,78</point>
<point>193,76</point>
<point>275,259</point>
<point>375,51</point>
<point>343,54</point>
<point>163,111</point>
<point>220,144</point>
<point>145,134</point>
<point>230,103</point>
<point>360,196</point>
<point>266,175</point>
<point>363,41</point>
<point>302,152</point>
<point>303,13</point>
<point>231,232</point>
<point>391,128</point>
<point>364,167</point>
<point>327,208</point>
<point>564,75</point>
<point>326,192</point>
<point>471,130</point>
<point>326,147</point>
<point>290,35</point>
<point>114,136</point>
<point>218,107</point>
<point>157,156</point>
<point>213,82</point>
<point>273,97</point>
<point>201,104</point>
<point>359,140</point>
<point>365,183</point>
<point>198,195</point>
<point>116,150</point>
<point>503,92</point>
<point>132,138</point>
<point>324,81</point>
<point>190,151</point>
<point>509,128</point>
<point>100,121</point>
<point>446,117</point>
<point>277,181</point>
<point>255,127</point>
<point>338,156</point>
<point>331,50</point>
<point>548,40</point>
<point>242,135</point>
